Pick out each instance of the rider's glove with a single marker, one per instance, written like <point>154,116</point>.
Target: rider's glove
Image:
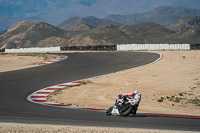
<point>120,96</point>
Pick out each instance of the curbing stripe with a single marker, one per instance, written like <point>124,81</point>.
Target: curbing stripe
<point>38,97</point>
<point>51,88</point>
<point>43,92</point>
<point>59,105</point>
<point>39,100</point>
<point>59,58</point>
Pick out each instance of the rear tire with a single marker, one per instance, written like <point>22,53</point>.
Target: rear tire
<point>127,111</point>
<point>109,111</point>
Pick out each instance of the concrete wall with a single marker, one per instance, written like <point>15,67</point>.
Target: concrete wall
<point>25,50</point>
<point>135,47</point>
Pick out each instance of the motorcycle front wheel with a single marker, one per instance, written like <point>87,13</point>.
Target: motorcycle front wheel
<point>109,111</point>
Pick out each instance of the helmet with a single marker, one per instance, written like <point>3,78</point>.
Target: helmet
<point>136,91</point>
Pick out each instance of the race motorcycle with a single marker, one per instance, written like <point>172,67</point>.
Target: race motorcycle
<point>123,106</point>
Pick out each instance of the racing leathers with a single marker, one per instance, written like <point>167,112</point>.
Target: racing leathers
<point>134,97</point>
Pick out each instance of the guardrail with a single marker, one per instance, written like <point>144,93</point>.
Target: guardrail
<point>37,49</point>
<point>90,48</point>
<point>136,47</point>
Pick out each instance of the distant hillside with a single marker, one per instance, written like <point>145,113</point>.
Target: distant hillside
<point>161,15</point>
<point>82,28</point>
<point>109,34</point>
<point>106,34</point>
<point>187,30</point>
<point>28,34</point>
<point>145,29</point>
<point>76,21</point>
<point>146,32</point>
<point>188,22</point>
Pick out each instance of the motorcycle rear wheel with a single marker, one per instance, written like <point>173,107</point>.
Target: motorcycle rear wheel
<point>125,112</point>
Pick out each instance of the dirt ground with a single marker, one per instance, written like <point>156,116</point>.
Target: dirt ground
<point>29,128</point>
<point>170,86</point>
<point>11,62</point>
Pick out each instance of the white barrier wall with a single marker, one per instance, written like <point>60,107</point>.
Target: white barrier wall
<point>128,47</point>
<point>38,49</point>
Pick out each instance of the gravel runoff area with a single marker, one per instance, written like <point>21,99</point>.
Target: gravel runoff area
<point>34,128</point>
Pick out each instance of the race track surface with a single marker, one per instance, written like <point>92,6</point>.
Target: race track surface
<point>15,86</point>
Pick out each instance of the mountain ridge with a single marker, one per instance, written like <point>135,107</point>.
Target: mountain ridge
<point>187,22</point>
<point>32,34</point>
<point>161,15</point>
<point>27,33</point>
<point>90,20</point>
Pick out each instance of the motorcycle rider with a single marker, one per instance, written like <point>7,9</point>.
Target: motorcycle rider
<point>135,97</point>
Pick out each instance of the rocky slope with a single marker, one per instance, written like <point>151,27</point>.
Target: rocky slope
<point>30,34</point>
<point>188,22</point>
<point>76,21</point>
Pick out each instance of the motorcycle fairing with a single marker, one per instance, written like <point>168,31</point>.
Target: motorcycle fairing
<point>115,111</point>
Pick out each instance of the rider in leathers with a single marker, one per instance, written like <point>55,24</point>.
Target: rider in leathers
<point>135,96</point>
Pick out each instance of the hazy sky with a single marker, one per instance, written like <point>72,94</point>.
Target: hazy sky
<point>55,11</point>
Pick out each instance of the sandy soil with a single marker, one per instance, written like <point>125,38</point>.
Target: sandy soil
<point>171,85</point>
<point>29,128</point>
<point>11,62</point>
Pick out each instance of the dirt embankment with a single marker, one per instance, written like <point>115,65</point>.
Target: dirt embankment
<point>171,85</point>
<point>33,128</point>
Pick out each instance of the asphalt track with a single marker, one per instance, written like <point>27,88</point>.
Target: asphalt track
<point>15,86</point>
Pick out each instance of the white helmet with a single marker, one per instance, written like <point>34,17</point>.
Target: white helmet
<point>136,91</point>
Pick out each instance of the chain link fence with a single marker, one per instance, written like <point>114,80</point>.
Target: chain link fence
<point>195,46</point>
<point>90,48</point>
<point>2,50</point>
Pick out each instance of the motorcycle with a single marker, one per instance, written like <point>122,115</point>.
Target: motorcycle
<point>123,106</point>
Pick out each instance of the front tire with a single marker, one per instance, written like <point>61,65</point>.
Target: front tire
<point>109,111</point>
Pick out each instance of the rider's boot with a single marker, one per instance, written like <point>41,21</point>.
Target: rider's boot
<point>134,111</point>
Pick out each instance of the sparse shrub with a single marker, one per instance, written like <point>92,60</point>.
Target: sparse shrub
<point>195,101</point>
<point>161,99</point>
<point>177,100</point>
<point>180,94</point>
